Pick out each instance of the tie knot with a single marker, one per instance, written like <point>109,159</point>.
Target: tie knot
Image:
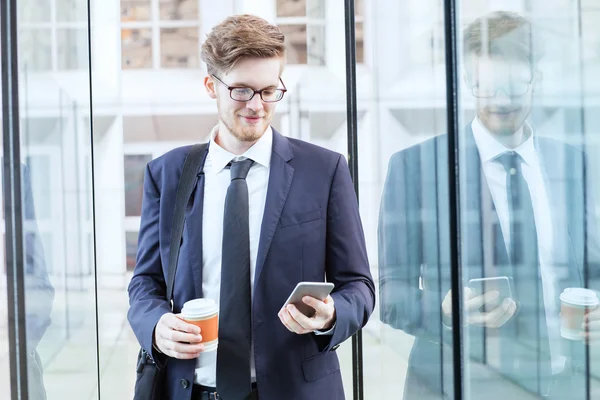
<point>239,169</point>
<point>510,160</point>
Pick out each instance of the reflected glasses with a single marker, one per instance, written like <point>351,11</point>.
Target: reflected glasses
<point>244,94</point>
<point>511,89</point>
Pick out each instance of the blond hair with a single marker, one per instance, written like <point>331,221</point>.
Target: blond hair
<point>502,33</point>
<point>239,37</point>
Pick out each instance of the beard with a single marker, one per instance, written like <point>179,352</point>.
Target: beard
<point>243,132</point>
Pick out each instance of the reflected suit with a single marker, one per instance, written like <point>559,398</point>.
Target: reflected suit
<point>414,268</point>
<point>39,292</point>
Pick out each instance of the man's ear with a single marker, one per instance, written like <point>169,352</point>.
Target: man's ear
<point>209,84</point>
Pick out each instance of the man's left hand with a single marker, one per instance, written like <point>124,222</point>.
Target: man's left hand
<point>296,322</point>
<point>591,327</point>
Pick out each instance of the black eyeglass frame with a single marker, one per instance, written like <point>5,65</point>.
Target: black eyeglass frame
<point>260,92</point>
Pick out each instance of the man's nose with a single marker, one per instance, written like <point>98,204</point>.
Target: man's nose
<point>255,103</point>
<point>502,98</point>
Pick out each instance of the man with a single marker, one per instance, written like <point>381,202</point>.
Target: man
<point>522,219</point>
<point>301,224</point>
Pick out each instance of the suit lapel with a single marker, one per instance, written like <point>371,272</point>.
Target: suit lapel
<point>194,212</point>
<point>280,182</point>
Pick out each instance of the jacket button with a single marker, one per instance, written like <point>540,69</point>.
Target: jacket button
<point>184,383</point>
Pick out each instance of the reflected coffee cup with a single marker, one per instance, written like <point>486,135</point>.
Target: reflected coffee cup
<point>575,304</point>
<point>203,313</point>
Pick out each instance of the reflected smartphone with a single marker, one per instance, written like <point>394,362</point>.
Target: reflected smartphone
<point>318,290</point>
<point>501,284</point>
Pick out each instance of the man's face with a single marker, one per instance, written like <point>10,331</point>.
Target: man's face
<point>247,121</point>
<point>504,92</point>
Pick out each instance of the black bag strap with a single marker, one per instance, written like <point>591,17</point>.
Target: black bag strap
<point>192,167</point>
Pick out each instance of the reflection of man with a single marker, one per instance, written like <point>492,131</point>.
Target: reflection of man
<point>39,292</point>
<point>522,217</point>
<point>297,220</point>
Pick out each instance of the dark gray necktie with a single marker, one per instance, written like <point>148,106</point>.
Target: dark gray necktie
<point>235,324</point>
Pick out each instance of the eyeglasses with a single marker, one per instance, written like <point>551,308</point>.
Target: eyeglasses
<point>244,94</point>
<point>511,89</point>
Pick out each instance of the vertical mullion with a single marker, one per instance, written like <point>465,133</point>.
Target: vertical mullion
<point>12,201</point>
<point>586,277</point>
<point>452,101</point>
<point>357,351</point>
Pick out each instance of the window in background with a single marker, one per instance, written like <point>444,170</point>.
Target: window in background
<point>135,165</point>
<point>359,10</point>
<point>36,53</point>
<point>176,45</point>
<point>135,10</point>
<point>164,39</point>
<point>303,24</point>
<point>56,29</point>
<point>69,54</point>
<point>131,242</point>
<point>33,11</point>
<point>71,10</point>
<point>178,10</point>
<point>136,47</point>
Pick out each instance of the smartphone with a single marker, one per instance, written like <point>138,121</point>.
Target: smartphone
<point>318,290</point>
<point>501,284</point>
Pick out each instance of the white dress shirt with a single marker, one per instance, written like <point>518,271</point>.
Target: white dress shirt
<point>216,182</point>
<point>489,148</point>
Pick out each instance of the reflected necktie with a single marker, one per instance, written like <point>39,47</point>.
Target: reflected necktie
<point>235,324</point>
<point>523,247</point>
<point>524,258</point>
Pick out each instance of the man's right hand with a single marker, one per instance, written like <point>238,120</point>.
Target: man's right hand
<point>177,338</point>
<point>472,304</point>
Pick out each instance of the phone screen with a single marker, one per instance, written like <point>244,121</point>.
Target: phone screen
<point>500,284</point>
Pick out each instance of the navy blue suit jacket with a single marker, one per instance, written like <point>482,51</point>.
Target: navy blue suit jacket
<point>311,231</point>
<point>414,260</point>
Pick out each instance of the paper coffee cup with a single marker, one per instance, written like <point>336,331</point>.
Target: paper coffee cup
<point>575,304</point>
<point>204,313</point>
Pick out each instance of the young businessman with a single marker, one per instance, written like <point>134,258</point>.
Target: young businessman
<point>522,202</point>
<point>300,223</point>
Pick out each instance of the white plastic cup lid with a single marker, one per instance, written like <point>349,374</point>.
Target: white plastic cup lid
<point>199,308</point>
<point>579,297</point>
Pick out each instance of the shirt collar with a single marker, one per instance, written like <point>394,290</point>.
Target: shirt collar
<point>490,148</point>
<point>260,151</point>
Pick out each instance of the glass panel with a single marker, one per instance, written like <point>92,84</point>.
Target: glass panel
<point>60,303</point>
<point>291,8</point>
<point>179,47</point>
<point>528,159</point>
<point>71,52</point>
<point>135,10</point>
<point>176,10</point>
<point>136,48</point>
<point>34,11</point>
<point>295,41</point>
<point>403,166</point>
<point>35,51</point>
<point>135,166</point>
<point>71,10</point>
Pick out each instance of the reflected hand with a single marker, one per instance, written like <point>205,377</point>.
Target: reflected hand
<point>296,322</point>
<point>591,325</point>
<point>472,303</point>
<point>177,338</point>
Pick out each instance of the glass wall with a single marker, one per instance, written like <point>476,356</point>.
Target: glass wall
<point>51,146</point>
<point>524,157</point>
